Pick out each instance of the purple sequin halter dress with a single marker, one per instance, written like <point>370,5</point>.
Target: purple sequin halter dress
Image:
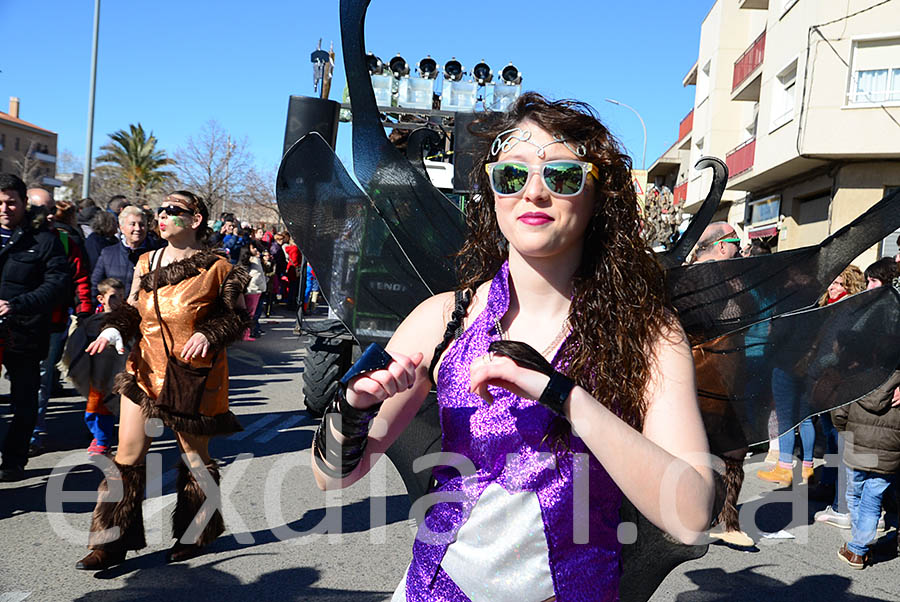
<point>504,442</point>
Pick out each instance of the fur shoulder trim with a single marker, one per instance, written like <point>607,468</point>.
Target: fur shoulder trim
<point>179,270</point>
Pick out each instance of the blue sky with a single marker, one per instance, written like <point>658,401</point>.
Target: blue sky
<point>174,65</point>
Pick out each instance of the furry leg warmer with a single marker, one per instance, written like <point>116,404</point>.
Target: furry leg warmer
<point>190,514</point>
<point>734,479</point>
<point>118,521</point>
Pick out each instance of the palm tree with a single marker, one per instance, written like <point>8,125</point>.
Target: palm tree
<point>133,156</point>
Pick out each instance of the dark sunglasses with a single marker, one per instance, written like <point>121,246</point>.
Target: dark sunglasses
<point>173,211</point>
<point>562,178</point>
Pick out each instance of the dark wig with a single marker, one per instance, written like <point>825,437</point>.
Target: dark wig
<point>619,306</point>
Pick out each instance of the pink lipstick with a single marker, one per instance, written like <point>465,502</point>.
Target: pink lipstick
<point>535,218</point>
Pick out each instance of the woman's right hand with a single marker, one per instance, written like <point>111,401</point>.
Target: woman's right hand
<point>374,387</point>
<point>97,346</point>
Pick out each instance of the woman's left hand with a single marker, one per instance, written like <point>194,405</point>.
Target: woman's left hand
<point>198,344</point>
<point>500,371</point>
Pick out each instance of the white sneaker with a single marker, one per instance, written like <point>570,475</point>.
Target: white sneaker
<point>841,520</point>
<point>829,516</point>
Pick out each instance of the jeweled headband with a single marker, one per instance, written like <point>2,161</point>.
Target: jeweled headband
<point>192,202</point>
<point>506,140</point>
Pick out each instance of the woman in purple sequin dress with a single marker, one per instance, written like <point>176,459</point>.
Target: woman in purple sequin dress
<point>526,503</point>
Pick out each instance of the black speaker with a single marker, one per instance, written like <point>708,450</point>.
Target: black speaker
<point>465,148</point>
<point>306,114</point>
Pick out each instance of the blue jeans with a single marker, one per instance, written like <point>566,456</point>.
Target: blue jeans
<point>834,447</point>
<point>49,378</point>
<point>807,440</point>
<point>864,492</point>
<point>786,391</point>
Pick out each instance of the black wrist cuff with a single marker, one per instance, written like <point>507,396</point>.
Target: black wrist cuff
<point>556,392</point>
<point>354,428</point>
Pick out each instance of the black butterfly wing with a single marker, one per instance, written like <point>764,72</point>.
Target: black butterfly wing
<point>717,297</point>
<point>364,274</point>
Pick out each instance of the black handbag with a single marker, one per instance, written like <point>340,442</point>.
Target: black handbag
<point>184,384</point>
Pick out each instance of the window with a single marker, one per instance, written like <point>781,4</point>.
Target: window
<point>750,117</point>
<point>765,210</point>
<point>784,87</point>
<point>889,247</point>
<point>703,82</point>
<point>811,215</point>
<point>875,77</point>
<point>17,144</point>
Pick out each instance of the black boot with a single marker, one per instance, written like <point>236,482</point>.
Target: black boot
<point>191,498</point>
<point>108,544</point>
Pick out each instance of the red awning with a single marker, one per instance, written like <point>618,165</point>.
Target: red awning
<point>763,232</point>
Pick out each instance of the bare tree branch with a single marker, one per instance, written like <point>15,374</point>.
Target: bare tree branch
<point>28,168</point>
<point>256,201</point>
<point>216,166</point>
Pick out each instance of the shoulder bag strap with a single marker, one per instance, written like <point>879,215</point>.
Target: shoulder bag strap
<point>162,325</point>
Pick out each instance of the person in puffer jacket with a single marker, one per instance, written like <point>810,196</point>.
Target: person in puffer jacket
<point>871,427</point>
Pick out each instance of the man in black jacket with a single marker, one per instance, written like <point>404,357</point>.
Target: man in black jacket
<point>33,276</point>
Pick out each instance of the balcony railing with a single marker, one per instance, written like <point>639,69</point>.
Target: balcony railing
<point>749,61</point>
<point>679,195</point>
<point>686,125</point>
<point>45,157</point>
<point>741,158</point>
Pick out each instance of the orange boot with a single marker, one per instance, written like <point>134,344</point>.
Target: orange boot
<point>778,474</point>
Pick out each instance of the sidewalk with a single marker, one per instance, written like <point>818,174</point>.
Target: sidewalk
<point>799,562</point>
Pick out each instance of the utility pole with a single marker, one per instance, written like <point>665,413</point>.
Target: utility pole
<point>86,179</point>
<point>227,175</point>
<point>633,110</point>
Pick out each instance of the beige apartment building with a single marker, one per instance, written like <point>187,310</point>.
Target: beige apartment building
<point>802,100</point>
<point>25,147</point>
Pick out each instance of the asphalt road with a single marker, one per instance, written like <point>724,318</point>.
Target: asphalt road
<point>289,541</point>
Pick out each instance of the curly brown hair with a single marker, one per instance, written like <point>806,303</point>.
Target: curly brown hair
<point>854,282</point>
<point>619,304</point>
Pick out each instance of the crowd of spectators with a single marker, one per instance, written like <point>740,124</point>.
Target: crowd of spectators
<point>274,258</point>
<point>62,264</point>
<point>870,459</point>
<point>867,450</point>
